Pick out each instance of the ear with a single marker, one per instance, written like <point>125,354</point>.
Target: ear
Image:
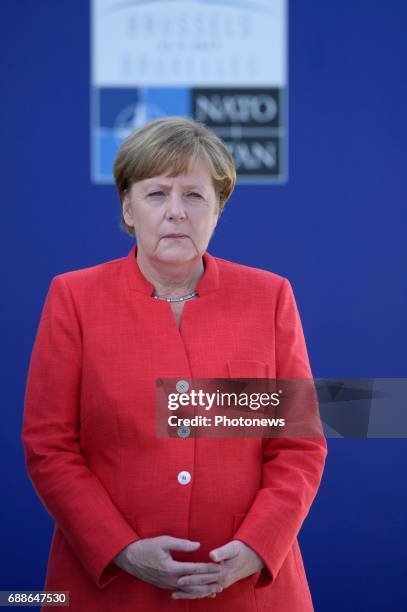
<point>126,209</point>
<point>217,213</point>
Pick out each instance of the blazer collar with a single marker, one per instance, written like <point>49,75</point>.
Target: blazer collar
<point>208,282</point>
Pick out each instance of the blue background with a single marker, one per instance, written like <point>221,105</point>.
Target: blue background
<point>337,230</point>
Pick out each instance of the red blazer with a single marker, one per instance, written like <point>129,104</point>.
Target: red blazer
<point>107,480</point>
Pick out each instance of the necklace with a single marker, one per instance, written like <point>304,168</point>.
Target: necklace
<point>181,298</point>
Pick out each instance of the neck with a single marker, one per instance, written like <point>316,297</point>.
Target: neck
<point>171,280</point>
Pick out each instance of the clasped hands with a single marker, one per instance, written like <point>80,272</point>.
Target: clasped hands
<point>150,560</point>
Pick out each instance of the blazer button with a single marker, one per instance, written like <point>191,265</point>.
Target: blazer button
<point>184,477</point>
<point>182,386</point>
<point>184,431</point>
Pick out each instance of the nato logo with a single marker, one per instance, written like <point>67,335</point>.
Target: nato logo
<point>117,112</point>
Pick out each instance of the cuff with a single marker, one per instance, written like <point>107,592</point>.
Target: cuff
<point>108,571</point>
<point>264,577</point>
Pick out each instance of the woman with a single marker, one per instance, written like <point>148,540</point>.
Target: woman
<point>143,523</point>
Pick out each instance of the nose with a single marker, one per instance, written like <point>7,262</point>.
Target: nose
<point>175,209</point>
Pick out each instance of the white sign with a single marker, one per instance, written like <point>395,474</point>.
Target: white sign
<point>223,62</point>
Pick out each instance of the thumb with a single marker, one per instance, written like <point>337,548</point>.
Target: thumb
<point>180,544</point>
<point>224,552</point>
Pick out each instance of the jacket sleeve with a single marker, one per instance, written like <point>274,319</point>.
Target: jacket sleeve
<point>69,490</point>
<point>292,467</point>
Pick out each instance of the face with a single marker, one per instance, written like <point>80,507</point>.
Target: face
<point>173,217</point>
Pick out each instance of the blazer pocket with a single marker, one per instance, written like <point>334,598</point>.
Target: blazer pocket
<point>246,368</point>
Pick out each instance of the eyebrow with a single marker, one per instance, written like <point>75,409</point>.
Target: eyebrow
<point>168,186</point>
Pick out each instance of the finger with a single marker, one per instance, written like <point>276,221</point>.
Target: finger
<point>187,568</point>
<point>171,543</point>
<point>197,579</point>
<point>197,592</point>
<point>228,551</point>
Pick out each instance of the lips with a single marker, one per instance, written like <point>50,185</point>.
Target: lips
<point>175,236</point>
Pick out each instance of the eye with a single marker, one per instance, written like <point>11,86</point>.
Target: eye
<point>155,194</point>
<point>194,194</point>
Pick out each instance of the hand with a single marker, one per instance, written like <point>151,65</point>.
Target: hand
<point>237,560</point>
<point>150,560</point>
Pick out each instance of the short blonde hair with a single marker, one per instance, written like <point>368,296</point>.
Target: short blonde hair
<point>170,145</point>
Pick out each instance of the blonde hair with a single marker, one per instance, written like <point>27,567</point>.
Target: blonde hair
<point>170,145</point>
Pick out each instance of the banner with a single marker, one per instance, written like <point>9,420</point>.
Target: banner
<point>281,408</point>
<point>222,62</point>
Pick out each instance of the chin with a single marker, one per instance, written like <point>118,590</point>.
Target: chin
<point>178,254</point>
<point>176,261</point>
<point>177,257</point>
